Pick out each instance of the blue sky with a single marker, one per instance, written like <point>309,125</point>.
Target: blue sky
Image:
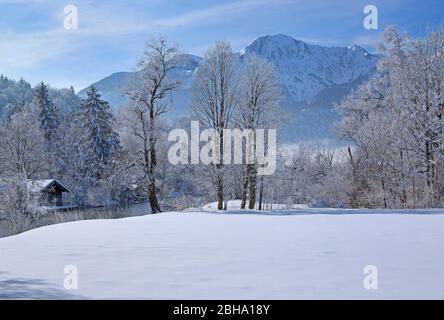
<point>111,34</point>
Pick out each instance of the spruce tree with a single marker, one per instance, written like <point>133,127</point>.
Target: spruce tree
<point>99,142</point>
<point>48,115</point>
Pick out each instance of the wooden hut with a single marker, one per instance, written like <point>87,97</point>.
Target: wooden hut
<point>49,192</point>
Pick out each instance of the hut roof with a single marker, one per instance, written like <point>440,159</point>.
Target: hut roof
<point>45,185</point>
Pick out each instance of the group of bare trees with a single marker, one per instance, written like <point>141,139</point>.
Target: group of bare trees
<point>258,108</point>
<point>225,95</point>
<point>395,122</point>
<point>214,101</point>
<point>392,124</point>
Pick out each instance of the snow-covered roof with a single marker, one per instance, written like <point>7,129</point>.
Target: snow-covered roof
<point>44,184</point>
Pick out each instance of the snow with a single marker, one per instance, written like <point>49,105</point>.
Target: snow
<point>306,69</point>
<point>40,185</point>
<point>55,208</point>
<point>283,254</point>
<point>236,204</point>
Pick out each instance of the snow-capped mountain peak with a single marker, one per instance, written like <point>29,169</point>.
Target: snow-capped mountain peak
<point>306,69</point>
<point>312,78</point>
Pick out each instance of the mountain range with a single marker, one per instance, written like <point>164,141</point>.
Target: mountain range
<point>313,78</point>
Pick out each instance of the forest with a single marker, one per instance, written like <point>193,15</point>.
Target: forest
<point>390,153</point>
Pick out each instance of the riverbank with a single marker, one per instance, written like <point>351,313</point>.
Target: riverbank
<point>20,223</point>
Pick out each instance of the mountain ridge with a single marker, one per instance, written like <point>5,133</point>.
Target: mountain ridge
<point>313,78</point>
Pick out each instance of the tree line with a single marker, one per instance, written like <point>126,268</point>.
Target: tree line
<point>392,129</point>
<point>395,122</point>
<point>101,154</point>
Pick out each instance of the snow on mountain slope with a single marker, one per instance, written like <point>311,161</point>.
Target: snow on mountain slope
<point>306,70</point>
<point>112,87</point>
<point>301,253</point>
<point>312,78</point>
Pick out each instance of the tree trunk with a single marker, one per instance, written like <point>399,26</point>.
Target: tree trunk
<point>154,204</point>
<point>252,176</point>
<point>220,193</point>
<point>261,193</point>
<point>429,174</point>
<point>384,192</point>
<point>219,169</point>
<point>244,189</point>
<point>151,163</point>
<point>414,192</point>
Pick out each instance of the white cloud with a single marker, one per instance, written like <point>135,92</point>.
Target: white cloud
<point>369,40</point>
<point>24,50</point>
<point>118,23</point>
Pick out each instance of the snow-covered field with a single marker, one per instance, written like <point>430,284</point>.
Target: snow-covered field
<point>288,254</point>
<point>236,204</point>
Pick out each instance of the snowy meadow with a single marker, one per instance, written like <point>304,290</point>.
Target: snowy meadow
<point>208,254</point>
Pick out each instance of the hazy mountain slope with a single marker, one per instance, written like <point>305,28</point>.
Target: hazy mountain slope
<point>312,77</point>
<point>113,86</point>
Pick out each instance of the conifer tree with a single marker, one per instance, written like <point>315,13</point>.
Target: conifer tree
<point>48,115</point>
<point>99,142</point>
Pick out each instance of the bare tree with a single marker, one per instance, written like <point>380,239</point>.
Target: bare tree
<point>395,121</point>
<point>149,100</point>
<point>213,101</point>
<point>22,153</point>
<point>259,100</point>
